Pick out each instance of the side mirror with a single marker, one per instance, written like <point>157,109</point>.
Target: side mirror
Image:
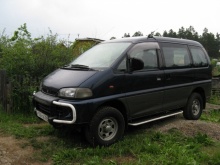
<point>136,64</point>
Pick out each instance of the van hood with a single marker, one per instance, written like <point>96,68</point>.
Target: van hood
<point>62,78</point>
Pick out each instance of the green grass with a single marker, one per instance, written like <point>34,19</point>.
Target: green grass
<point>142,148</point>
<point>212,116</point>
<point>22,126</point>
<point>139,146</point>
<point>215,99</point>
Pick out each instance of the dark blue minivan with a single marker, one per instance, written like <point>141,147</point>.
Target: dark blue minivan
<point>123,82</point>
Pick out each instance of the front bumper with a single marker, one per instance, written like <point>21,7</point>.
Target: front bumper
<point>73,113</point>
<point>54,110</point>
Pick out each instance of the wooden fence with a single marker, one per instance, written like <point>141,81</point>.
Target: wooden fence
<point>16,92</point>
<point>216,85</point>
<point>3,90</point>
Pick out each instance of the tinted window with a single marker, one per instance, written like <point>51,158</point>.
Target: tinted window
<point>147,53</point>
<point>175,56</point>
<point>198,55</point>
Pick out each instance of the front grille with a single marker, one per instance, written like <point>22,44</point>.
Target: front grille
<point>55,111</point>
<point>49,91</point>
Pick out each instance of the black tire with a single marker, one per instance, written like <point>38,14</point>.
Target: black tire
<point>106,127</point>
<point>194,107</point>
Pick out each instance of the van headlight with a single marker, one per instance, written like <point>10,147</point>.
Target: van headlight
<point>77,93</point>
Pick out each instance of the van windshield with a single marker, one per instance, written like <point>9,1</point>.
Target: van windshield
<point>101,56</point>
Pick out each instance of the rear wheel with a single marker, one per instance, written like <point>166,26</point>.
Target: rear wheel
<point>106,127</point>
<point>194,107</point>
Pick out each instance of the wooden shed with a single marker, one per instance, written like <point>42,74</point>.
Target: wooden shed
<point>82,44</point>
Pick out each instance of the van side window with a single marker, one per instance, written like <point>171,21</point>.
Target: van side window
<point>199,57</point>
<point>175,55</point>
<point>145,51</point>
<point>149,57</point>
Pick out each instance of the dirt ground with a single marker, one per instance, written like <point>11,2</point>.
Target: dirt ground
<point>12,152</point>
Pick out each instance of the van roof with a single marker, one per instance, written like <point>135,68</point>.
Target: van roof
<point>155,39</point>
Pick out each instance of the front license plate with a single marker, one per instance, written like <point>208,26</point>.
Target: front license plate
<point>42,116</point>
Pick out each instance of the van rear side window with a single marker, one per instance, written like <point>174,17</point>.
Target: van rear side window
<point>199,58</point>
<point>175,56</point>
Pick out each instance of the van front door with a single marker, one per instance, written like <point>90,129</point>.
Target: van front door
<point>144,88</point>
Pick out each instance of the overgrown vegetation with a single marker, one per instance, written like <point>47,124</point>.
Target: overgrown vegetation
<point>139,146</point>
<point>215,99</point>
<point>215,67</point>
<point>27,60</point>
<point>213,116</point>
<point>33,57</point>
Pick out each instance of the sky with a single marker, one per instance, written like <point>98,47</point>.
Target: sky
<point>104,19</point>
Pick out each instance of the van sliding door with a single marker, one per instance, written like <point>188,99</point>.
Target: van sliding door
<point>178,75</point>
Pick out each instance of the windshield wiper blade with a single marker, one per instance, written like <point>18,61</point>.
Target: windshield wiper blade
<point>79,66</point>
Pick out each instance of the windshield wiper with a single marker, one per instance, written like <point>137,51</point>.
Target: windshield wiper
<point>78,67</point>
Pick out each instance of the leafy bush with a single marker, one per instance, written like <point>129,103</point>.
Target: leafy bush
<point>33,57</point>
<point>28,60</point>
<point>215,69</point>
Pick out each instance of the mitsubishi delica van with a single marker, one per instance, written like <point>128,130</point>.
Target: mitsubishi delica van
<point>121,82</point>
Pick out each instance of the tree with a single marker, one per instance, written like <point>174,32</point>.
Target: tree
<point>138,33</point>
<point>182,32</point>
<point>191,34</point>
<point>21,34</point>
<point>210,41</point>
<point>218,43</point>
<point>112,38</point>
<point>172,34</point>
<point>126,35</point>
<point>165,34</point>
<point>158,34</point>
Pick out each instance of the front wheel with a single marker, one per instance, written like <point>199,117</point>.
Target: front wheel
<point>106,127</point>
<point>194,107</point>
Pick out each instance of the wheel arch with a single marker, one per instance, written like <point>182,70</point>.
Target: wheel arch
<point>119,106</point>
<point>201,91</point>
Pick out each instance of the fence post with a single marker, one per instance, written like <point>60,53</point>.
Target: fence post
<point>9,97</point>
<point>3,89</point>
